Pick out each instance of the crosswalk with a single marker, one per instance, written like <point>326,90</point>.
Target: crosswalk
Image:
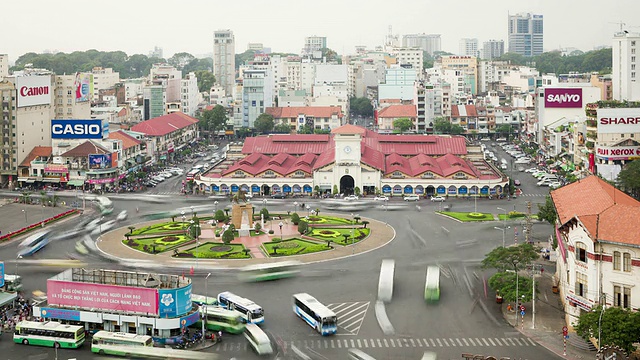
<point>350,316</point>
<point>534,195</point>
<point>164,193</point>
<point>425,343</point>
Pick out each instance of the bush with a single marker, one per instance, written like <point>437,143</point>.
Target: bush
<point>227,236</point>
<point>270,232</point>
<point>220,216</point>
<point>257,226</point>
<point>303,227</point>
<point>265,213</point>
<point>295,218</point>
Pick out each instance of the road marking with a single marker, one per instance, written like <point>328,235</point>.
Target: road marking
<point>445,342</point>
<point>532,342</point>
<point>485,342</point>
<point>452,343</point>
<point>494,344</point>
<point>352,343</point>
<point>459,343</point>
<point>380,344</point>
<point>412,343</point>
<point>518,341</point>
<point>472,343</point>
<point>438,341</point>
<point>364,341</point>
<point>511,341</point>
<point>339,344</point>
<point>357,311</point>
<point>432,343</point>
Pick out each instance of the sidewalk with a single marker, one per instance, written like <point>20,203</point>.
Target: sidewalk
<point>549,320</point>
<point>111,244</point>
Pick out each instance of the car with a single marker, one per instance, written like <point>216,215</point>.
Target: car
<point>122,215</point>
<point>279,195</point>
<point>543,183</point>
<point>351,198</point>
<point>521,168</point>
<point>517,182</point>
<point>381,198</point>
<point>532,170</point>
<point>411,198</point>
<point>523,161</point>
<point>438,198</point>
<point>150,184</point>
<point>555,184</point>
<point>504,167</point>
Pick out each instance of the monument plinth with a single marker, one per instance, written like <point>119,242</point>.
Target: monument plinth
<point>242,218</point>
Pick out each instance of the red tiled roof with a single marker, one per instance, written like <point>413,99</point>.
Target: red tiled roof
<point>348,129</point>
<point>463,110</point>
<point>37,151</point>
<point>283,164</point>
<point>85,149</point>
<point>398,111</point>
<point>163,125</point>
<point>294,111</point>
<point>444,166</point>
<point>128,141</point>
<point>608,213</point>
<point>408,145</point>
<point>275,144</point>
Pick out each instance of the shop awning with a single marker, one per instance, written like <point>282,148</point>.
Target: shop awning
<point>30,181</point>
<point>75,182</point>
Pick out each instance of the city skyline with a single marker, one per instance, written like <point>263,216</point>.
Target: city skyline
<point>283,27</point>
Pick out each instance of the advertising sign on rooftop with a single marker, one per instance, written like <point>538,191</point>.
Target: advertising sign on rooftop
<point>174,302</point>
<point>102,297</point>
<point>84,86</point>
<point>100,161</point>
<point>619,121</point>
<point>563,98</point>
<point>33,90</point>
<point>77,129</point>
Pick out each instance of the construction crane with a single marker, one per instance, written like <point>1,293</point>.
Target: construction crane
<point>620,23</point>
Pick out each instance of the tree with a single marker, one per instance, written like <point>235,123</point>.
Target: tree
<point>25,197</point>
<point>257,226</point>
<point>265,213</point>
<point>441,125</point>
<point>361,106</point>
<point>180,60</point>
<point>303,227</point>
<point>629,178</point>
<point>504,129</point>
<point>282,128</point>
<point>402,124</point>
<point>335,189</point>
<point>206,79</point>
<point>456,129</point>
<point>220,217</point>
<point>227,236</point>
<point>510,258</point>
<point>618,326</point>
<point>214,119</point>
<point>264,123</point>
<point>504,283</point>
<point>295,218</point>
<point>356,190</point>
<point>547,211</point>
<point>131,228</point>
<point>305,129</point>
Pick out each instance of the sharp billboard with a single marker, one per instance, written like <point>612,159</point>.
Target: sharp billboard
<point>562,97</point>
<point>619,121</point>
<point>33,90</point>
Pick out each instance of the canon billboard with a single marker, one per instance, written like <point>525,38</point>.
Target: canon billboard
<point>563,98</point>
<point>619,121</point>
<point>33,90</point>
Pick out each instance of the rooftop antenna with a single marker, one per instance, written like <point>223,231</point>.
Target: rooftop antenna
<point>619,23</point>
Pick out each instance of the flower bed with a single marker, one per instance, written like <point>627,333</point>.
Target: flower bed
<point>464,216</point>
<point>212,250</point>
<point>293,246</point>
<point>315,220</point>
<point>158,244</point>
<point>38,225</point>
<point>162,228</point>
<point>337,234</point>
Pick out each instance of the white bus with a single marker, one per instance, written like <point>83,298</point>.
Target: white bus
<point>149,352</point>
<point>432,285</point>
<point>49,333</point>
<point>266,272</point>
<point>249,311</point>
<point>315,314</point>
<point>258,339</point>
<point>192,174</point>
<point>385,283</point>
<point>102,338</point>
<point>34,243</point>
<point>105,205</point>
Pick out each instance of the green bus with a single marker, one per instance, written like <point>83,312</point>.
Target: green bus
<point>267,272</point>
<point>204,300</point>
<point>221,319</point>
<point>49,333</point>
<point>102,341</point>
<point>432,286</point>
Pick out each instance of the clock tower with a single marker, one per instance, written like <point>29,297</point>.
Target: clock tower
<point>347,172</point>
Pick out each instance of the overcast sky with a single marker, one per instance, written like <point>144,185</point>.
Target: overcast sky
<point>187,26</point>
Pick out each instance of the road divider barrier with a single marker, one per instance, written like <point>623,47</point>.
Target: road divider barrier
<point>383,319</point>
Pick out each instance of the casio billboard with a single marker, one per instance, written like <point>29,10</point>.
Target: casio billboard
<point>76,129</point>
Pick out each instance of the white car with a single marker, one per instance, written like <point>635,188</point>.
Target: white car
<point>381,198</point>
<point>531,170</point>
<point>351,198</point>
<point>411,198</point>
<point>555,184</point>
<point>106,226</point>
<point>122,215</point>
<point>543,183</point>
<point>523,161</point>
<point>437,198</point>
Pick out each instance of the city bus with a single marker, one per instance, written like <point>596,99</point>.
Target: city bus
<point>49,333</point>
<point>192,174</point>
<point>318,316</point>
<point>249,311</point>
<point>105,205</point>
<point>204,300</point>
<point>12,283</point>
<point>266,272</point>
<point>33,243</point>
<point>102,338</point>
<point>149,352</point>
<point>385,282</point>
<point>221,319</point>
<point>432,286</point>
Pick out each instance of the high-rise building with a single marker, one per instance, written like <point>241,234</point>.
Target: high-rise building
<point>224,59</point>
<point>427,42</point>
<point>526,34</point>
<point>314,43</point>
<point>468,47</point>
<point>492,49</point>
<point>156,52</point>
<point>4,66</point>
<point>625,60</point>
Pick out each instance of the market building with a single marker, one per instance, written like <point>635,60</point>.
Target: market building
<point>167,134</point>
<point>598,258</point>
<point>120,301</point>
<point>352,158</point>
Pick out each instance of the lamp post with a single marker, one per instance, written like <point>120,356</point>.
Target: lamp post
<point>504,230</point>
<point>42,222</point>
<point>600,325</point>
<point>183,218</point>
<point>385,203</point>
<point>504,220</point>
<point>191,210</point>
<point>206,301</point>
<point>195,231</point>
<point>295,206</point>
<point>308,209</point>
<point>281,224</point>
<point>475,199</point>
<point>25,217</point>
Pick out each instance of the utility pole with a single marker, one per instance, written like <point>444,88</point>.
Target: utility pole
<point>527,235</point>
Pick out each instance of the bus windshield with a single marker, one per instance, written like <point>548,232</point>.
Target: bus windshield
<point>12,283</point>
<point>104,204</point>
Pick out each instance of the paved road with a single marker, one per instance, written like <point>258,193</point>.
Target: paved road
<point>465,320</point>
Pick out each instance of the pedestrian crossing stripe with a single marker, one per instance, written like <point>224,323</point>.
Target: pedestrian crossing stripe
<point>350,316</point>
<point>361,343</point>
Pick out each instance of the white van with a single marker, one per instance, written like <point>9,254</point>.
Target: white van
<point>258,340</point>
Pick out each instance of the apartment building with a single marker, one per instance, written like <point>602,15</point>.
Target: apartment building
<point>526,35</point>
<point>626,66</point>
<point>430,43</point>
<point>224,61</point>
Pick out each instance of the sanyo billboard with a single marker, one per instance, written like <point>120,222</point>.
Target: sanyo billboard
<point>78,129</point>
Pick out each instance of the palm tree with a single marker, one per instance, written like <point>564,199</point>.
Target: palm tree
<point>25,197</point>
<point>44,197</point>
<point>131,229</point>
<point>54,200</point>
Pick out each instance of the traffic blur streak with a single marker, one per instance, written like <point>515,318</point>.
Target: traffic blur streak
<point>145,352</point>
<point>63,263</point>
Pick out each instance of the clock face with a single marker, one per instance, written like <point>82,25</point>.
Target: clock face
<point>347,149</point>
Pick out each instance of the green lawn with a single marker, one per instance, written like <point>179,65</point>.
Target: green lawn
<point>327,220</point>
<point>336,234</point>
<point>465,216</point>
<point>293,246</point>
<point>211,250</point>
<point>161,228</point>
<point>162,243</point>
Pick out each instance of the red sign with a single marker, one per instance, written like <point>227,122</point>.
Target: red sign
<point>103,297</point>
<point>563,98</point>
<point>522,308</point>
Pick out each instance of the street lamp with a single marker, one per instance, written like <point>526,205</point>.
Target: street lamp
<point>206,301</point>
<point>42,222</point>
<point>295,206</point>
<point>504,230</point>
<point>191,210</point>
<point>183,218</point>
<point>308,208</point>
<point>504,220</point>
<point>25,217</point>
<point>281,225</point>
